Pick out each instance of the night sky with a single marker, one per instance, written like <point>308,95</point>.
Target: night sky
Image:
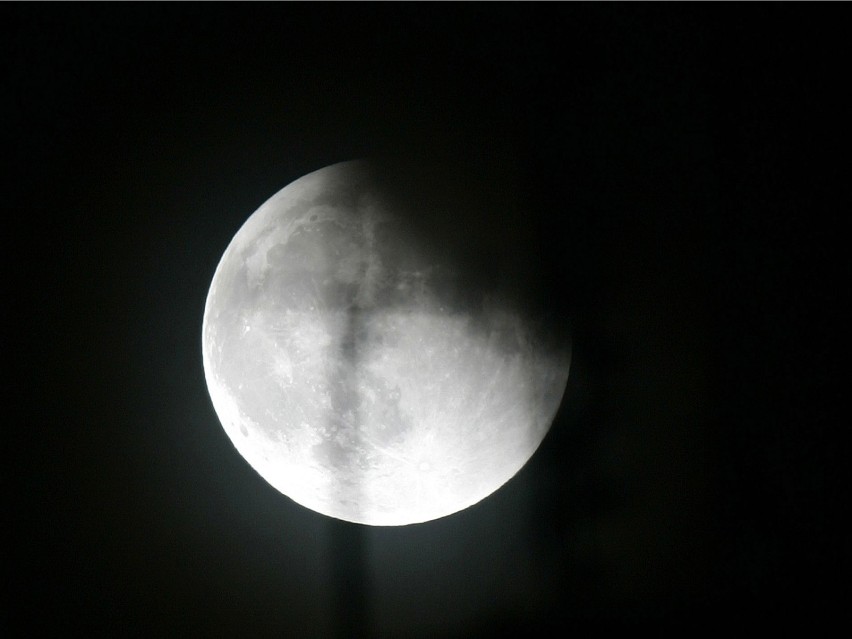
<point>677,174</point>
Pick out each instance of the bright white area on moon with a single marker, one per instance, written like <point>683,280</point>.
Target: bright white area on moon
<point>348,372</point>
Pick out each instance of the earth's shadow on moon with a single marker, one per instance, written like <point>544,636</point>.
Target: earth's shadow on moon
<point>475,216</point>
<point>471,218</point>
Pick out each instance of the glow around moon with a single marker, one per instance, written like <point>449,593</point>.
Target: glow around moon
<point>358,371</point>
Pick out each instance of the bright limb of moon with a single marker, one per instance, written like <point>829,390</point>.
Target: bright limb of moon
<point>356,373</point>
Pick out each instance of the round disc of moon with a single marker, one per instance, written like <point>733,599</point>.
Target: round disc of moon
<point>358,370</point>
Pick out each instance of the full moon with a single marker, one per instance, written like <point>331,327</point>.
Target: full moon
<point>363,366</point>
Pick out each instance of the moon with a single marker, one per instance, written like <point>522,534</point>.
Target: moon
<point>362,369</point>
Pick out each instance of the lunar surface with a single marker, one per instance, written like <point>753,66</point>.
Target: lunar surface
<point>361,375</point>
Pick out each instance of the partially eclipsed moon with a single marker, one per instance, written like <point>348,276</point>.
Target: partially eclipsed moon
<point>357,373</point>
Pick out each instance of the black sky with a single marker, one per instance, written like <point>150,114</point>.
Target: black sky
<point>679,167</point>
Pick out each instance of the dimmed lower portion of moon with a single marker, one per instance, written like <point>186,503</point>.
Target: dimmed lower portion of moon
<point>354,371</point>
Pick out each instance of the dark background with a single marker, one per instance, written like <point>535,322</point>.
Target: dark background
<point>679,165</point>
